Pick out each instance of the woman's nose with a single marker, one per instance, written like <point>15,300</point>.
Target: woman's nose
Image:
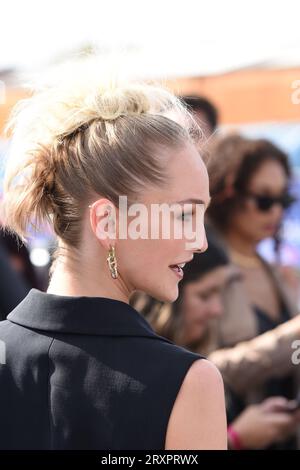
<point>218,308</point>
<point>277,211</point>
<point>203,247</point>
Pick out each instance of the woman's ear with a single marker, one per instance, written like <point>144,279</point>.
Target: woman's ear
<point>103,221</point>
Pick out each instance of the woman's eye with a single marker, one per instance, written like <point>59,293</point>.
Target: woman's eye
<point>204,297</point>
<point>186,216</point>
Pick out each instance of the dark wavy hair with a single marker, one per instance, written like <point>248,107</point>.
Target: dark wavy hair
<point>234,160</point>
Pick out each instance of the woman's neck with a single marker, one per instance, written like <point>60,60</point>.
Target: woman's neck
<point>73,276</point>
<point>240,244</point>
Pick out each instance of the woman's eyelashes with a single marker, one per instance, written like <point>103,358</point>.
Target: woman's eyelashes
<point>185,216</point>
<point>204,296</point>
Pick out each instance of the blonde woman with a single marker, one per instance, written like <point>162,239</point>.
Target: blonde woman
<point>84,370</point>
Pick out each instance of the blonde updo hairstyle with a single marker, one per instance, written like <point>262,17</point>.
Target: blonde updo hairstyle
<point>86,137</point>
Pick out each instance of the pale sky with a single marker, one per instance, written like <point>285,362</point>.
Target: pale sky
<point>168,37</point>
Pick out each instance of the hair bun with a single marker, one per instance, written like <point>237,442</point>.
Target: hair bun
<point>55,169</point>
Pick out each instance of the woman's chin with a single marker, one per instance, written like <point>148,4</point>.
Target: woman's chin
<point>167,296</point>
<point>163,292</point>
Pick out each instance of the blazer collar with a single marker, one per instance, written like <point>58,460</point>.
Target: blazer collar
<point>80,315</point>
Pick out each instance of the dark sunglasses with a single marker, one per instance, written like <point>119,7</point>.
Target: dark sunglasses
<point>265,203</point>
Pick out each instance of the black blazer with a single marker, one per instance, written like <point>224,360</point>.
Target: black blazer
<point>86,373</point>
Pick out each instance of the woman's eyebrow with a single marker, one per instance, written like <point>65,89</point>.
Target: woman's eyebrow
<point>194,201</point>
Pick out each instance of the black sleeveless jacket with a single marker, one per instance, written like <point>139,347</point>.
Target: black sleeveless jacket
<point>85,373</point>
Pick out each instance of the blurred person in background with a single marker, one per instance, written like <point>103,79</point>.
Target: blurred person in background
<point>250,191</point>
<point>191,321</point>
<point>13,287</point>
<point>20,258</point>
<point>205,113</point>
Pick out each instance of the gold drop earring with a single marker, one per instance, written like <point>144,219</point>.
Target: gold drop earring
<point>112,262</point>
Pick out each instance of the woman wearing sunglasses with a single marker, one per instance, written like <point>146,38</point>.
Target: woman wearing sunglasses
<point>249,188</point>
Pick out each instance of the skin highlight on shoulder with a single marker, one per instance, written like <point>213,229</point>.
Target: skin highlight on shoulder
<point>198,417</point>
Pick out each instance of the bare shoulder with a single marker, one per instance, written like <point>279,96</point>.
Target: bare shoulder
<point>203,372</point>
<point>198,417</point>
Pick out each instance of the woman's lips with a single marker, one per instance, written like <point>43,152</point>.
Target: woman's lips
<point>271,227</point>
<point>177,269</point>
